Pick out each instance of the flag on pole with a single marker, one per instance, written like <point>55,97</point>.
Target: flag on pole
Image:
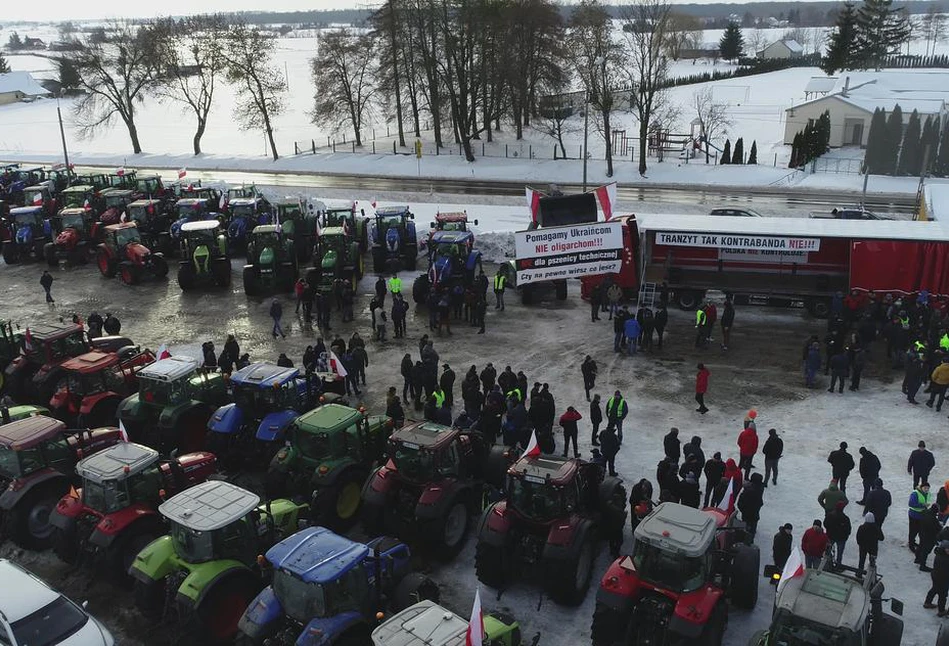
<point>474,636</point>
<point>182,172</point>
<point>606,196</point>
<point>793,568</point>
<point>533,449</point>
<point>533,202</point>
<point>337,366</point>
<point>725,504</point>
<point>38,199</point>
<point>373,203</point>
<point>122,432</point>
<point>28,340</point>
<point>162,352</point>
<point>120,172</point>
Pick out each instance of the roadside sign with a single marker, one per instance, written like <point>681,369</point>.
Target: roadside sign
<point>555,253</point>
<point>418,148</point>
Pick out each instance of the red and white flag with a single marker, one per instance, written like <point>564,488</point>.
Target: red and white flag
<point>475,633</point>
<point>162,352</point>
<point>533,449</point>
<point>725,504</point>
<point>337,366</point>
<point>533,201</point>
<point>38,199</point>
<point>120,172</point>
<point>28,340</point>
<point>606,196</point>
<point>122,432</point>
<point>182,172</point>
<point>373,204</point>
<point>793,568</point>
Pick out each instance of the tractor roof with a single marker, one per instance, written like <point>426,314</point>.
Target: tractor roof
<point>37,187</point>
<point>120,226</point>
<point>329,417</point>
<point>244,201</point>
<point>451,237</point>
<point>78,188</point>
<point>201,225</point>
<point>116,462</point>
<point>425,435</point>
<point>387,211</point>
<point>287,200</point>
<point>169,369</point>
<point>332,231</point>
<point>424,624</point>
<point>678,528</point>
<point>317,555</point>
<point>266,228</point>
<point>192,201</point>
<point>265,375</point>
<point>543,467</point>
<point>25,210</point>
<point>825,598</point>
<point>90,362</point>
<point>451,216</point>
<point>118,192</point>
<point>27,433</point>
<point>53,331</point>
<point>73,210</point>
<point>210,505</point>
<point>145,203</point>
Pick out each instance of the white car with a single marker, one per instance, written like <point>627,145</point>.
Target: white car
<point>33,614</point>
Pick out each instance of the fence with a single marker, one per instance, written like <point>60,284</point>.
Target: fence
<point>790,179</point>
<point>372,138</point>
<point>846,165</point>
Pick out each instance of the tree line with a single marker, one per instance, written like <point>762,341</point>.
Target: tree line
<point>895,150</point>
<point>864,37</point>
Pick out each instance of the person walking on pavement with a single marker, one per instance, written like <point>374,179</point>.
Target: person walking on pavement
<point>568,421</point>
<point>940,579</point>
<point>701,387</point>
<point>814,544</point>
<point>728,320</point>
<point>747,447</point>
<point>772,450</point>
<point>609,445</point>
<point>596,418</point>
<point>616,412</point>
<point>500,282</point>
<point>714,470</point>
<point>920,463</point>
<point>841,464</point>
<point>46,280</point>
<point>919,502</point>
<point>838,527</point>
<point>869,537</point>
<point>276,313</point>
<point>588,370</point>
<point>869,471</point>
<point>781,546</point>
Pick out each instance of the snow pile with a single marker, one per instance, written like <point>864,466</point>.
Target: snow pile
<point>496,246</point>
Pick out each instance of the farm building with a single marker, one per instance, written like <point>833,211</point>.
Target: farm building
<point>787,48</point>
<point>19,86</point>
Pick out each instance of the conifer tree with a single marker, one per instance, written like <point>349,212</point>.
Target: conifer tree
<point>839,54</point>
<point>738,154</point>
<point>911,153</point>
<point>753,153</point>
<point>727,152</point>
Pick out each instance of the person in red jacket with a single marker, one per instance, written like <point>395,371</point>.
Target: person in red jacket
<point>701,387</point>
<point>748,444</point>
<point>569,423</point>
<point>814,544</point>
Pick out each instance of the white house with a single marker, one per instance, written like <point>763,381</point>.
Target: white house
<point>787,48</point>
<point>17,86</point>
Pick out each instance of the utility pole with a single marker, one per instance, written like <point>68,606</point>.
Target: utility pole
<point>586,130</point>
<point>62,134</point>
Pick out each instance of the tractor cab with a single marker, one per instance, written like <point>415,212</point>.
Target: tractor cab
<point>168,382</point>
<point>98,181</point>
<point>23,177</point>
<point>149,186</point>
<point>209,193</point>
<point>339,216</point>
<point>394,245</point>
<point>120,236</point>
<point>41,195</point>
<point>674,550</point>
<point>331,433</point>
<point>242,192</point>
<point>288,209</point>
<point>114,201</point>
<point>452,259</point>
<point>179,187</point>
<point>297,223</point>
<point>450,221</point>
<point>426,452</point>
<point>50,343</point>
<point>392,216</point>
<point>119,477</point>
<point>31,219</point>
<point>544,488</point>
<point>191,209</point>
<point>94,382</point>
<point>78,223</point>
<point>79,196</point>
<point>245,213</point>
<point>144,212</point>
<point>122,179</point>
<point>204,238</point>
<point>60,176</point>
<point>263,388</point>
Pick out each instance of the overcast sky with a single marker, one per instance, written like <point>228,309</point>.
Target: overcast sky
<point>94,10</point>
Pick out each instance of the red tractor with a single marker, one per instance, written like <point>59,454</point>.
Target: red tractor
<point>107,522</point>
<point>75,233</point>
<point>95,383</point>
<point>38,458</point>
<point>113,203</point>
<point>122,252</point>
<point>673,588</point>
<point>450,221</point>
<point>554,513</point>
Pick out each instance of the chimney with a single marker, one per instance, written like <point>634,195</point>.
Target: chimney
<point>843,92</point>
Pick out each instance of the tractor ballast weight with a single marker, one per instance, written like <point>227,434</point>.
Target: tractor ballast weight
<point>393,239</point>
<point>271,262</point>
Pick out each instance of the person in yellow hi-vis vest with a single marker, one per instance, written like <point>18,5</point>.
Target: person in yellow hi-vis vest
<point>701,319</point>
<point>395,285</point>
<point>500,282</point>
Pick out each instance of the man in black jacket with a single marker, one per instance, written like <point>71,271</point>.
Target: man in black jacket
<point>781,546</point>
<point>869,471</point>
<point>671,444</point>
<point>920,463</point>
<point>714,469</point>
<point>772,450</point>
<point>659,321</point>
<point>878,502</point>
<point>596,418</point>
<point>841,464</point>
<point>750,503</point>
<point>694,447</point>
<point>588,370</point>
<point>447,384</point>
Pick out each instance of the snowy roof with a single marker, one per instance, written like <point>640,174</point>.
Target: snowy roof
<point>926,91</point>
<point>120,461</point>
<point>209,505</point>
<point>169,368</point>
<point>793,45</point>
<point>820,85</point>
<point>937,201</point>
<point>21,82</point>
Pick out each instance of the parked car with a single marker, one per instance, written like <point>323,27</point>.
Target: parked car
<point>33,613</point>
<point>741,213</point>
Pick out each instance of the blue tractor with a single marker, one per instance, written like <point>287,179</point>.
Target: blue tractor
<point>393,239</point>
<point>327,590</point>
<point>453,264</point>
<point>267,398</point>
<point>191,209</point>
<point>245,213</point>
<point>27,234</point>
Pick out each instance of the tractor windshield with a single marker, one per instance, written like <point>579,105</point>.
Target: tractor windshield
<point>26,219</point>
<point>413,462</point>
<point>791,630</point>
<point>35,197</point>
<point>73,200</point>
<point>115,201</point>
<point>150,185</point>
<point>138,213</point>
<point>9,463</point>
<point>301,601</point>
<point>537,500</point>
<point>191,545</point>
<point>84,385</point>
<point>289,211</point>
<point>313,445</point>
<point>73,221</point>
<point>250,396</point>
<point>191,211</point>
<point>52,624</point>
<point>14,464</point>
<point>243,211</point>
<point>127,236</point>
<point>105,497</point>
<point>262,240</point>
<point>668,569</point>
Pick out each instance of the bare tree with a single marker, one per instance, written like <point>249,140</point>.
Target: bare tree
<point>555,119</point>
<point>757,40</point>
<point>343,75</point>
<point>192,60</point>
<point>712,117</point>
<point>259,84</point>
<point>390,73</point>
<point>684,33</point>
<point>115,76</point>
<point>932,28</point>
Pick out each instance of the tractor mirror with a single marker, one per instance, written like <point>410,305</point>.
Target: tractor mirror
<point>896,606</point>
<point>431,225</point>
<point>475,223</point>
<point>85,604</point>
<point>772,571</point>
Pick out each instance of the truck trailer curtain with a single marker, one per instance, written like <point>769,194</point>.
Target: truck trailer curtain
<point>887,266</point>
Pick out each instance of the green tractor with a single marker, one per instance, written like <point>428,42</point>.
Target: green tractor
<point>206,260</point>
<point>207,565</point>
<point>78,196</point>
<point>329,453</point>
<point>174,402</point>
<point>271,261</point>
<point>345,216</point>
<point>337,258</point>
<point>298,224</point>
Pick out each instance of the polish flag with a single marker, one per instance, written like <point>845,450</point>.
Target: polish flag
<point>182,172</point>
<point>28,340</point>
<point>162,352</point>
<point>606,196</point>
<point>533,449</point>
<point>793,568</point>
<point>120,172</point>
<point>474,636</point>
<point>725,504</point>
<point>38,200</point>
<point>122,432</point>
<point>533,201</point>
<point>337,366</point>
<point>373,204</point>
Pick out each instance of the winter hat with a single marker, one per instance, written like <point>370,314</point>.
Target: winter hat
<point>752,414</point>
<point>817,523</point>
<point>869,517</point>
<point>787,526</point>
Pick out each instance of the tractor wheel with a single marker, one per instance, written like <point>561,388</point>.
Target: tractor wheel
<point>611,496</point>
<point>414,587</point>
<point>224,605</point>
<point>250,281</point>
<point>496,465</point>
<point>186,276</point>
<point>124,550</point>
<point>340,506</point>
<point>449,533</point>
<point>49,252</point>
<point>159,267</point>
<point>378,260</point>
<point>420,289</point>
<point>688,300</point>
<point>373,518</point>
<point>11,255</point>
<point>492,565</point>
<point>609,626</point>
<point>561,290</point>
<point>569,580</point>
<point>29,519</point>
<point>66,544</point>
<point>221,270</point>
<point>890,632</point>
<point>746,570</point>
<point>106,263</point>
<point>819,308</point>
<point>714,631</point>
<point>150,598</point>
<point>129,274</point>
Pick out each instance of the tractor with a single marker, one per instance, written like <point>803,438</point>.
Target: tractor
<point>298,224</point>
<point>239,192</point>
<point>452,265</point>
<point>428,624</point>
<point>149,187</point>
<point>122,252</point>
<point>60,177</point>
<point>450,221</point>
<point>42,195</point>
<point>548,525</point>
<point>206,261</point>
<point>78,196</point>
<point>208,565</point>
<point>34,373</point>
<point>245,213</point>
<point>337,258</point>
<point>38,458</point>
<point>393,239</point>
<point>122,179</point>
<point>153,221</point>
<point>98,181</point>
<point>271,262</point>
<point>107,522</point>
<point>75,233</point>
<point>29,232</point>
<point>191,209</point>
<point>345,216</point>
<point>328,589</point>
<point>213,196</point>
<point>673,588</point>
<point>267,398</point>
<point>113,203</point>
<point>93,385</point>
<point>843,607</point>
<point>429,488</point>
<point>18,179</point>
<point>174,402</point>
<point>10,343</point>
<point>328,454</point>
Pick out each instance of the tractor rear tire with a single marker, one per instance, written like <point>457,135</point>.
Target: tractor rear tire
<point>223,606</point>
<point>569,580</point>
<point>29,525</point>
<point>411,257</point>
<point>492,565</point>
<point>159,267</point>
<point>449,533</point>
<point>124,550</point>
<point>420,290</point>
<point>746,571</point>
<point>66,544</point>
<point>221,270</point>
<point>496,465</point>
<point>49,252</point>
<point>340,506</point>
<point>186,276</point>
<point>150,598</point>
<point>714,632</point>
<point>414,587</point>
<point>890,632</point>
<point>378,260</point>
<point>129,274</point>
<point>250,281</point>
<point>106,263</point>
<point>609,626</point>
<point>11,255</point>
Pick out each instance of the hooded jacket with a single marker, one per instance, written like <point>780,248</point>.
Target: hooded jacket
<point>773,447</point>
<point>752,499</point>
<point>569,421</point>
<point>781,547</point>
<point>837,524</point>
<point>830,496</point>
<point>747,442</point>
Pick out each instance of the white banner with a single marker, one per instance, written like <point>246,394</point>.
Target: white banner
<point>568,252</point>
<point>762,255</point>
<point>737,241</point>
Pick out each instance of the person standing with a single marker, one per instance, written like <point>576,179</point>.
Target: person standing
<point>878,502</point>
<point>596,418</point>
<point>920,463</point>
<point>913,378</point>
<point>829,497</point>
<point>938,384</point>
<point>609,445</point>
<point>814,544</point>
<point>588,369</point>
<point>841,464</point>
<point>750,503</point>
<point>640,502</point>
<point>619,325</point>
<point>781,546</point>
<point>701,387</point>
<point>298,292</point>
<point>479,312</point>
<point>447,384</point>
<point>838,527</point>
<point>929,527</point>
<point>693,449</point>
<point>857,364</point>
<point>488,376</point>
<point>46,280</point>
<point>616,412</point>
<point>276,313</point>
<point>919,502</point>
<point>659,321</point>
<point>596,299</point>
<point>672,445</point>
<point>728,320</point>
<point>772,450</point>
<point>361,359</point>
<point>395,285</point>
<point>568,421</point>
<point>940,579</point>
<point>500,282</point>
<point>380,288</point>
<point>869,471</point>
<point>714,470</point>
<point>631,330</point>
<point>839,368</point>
<point>701,320</point>
<point>869,537</point>
<point>747,447</point>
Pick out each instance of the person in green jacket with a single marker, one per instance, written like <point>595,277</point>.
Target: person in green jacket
<point>830,496</point>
